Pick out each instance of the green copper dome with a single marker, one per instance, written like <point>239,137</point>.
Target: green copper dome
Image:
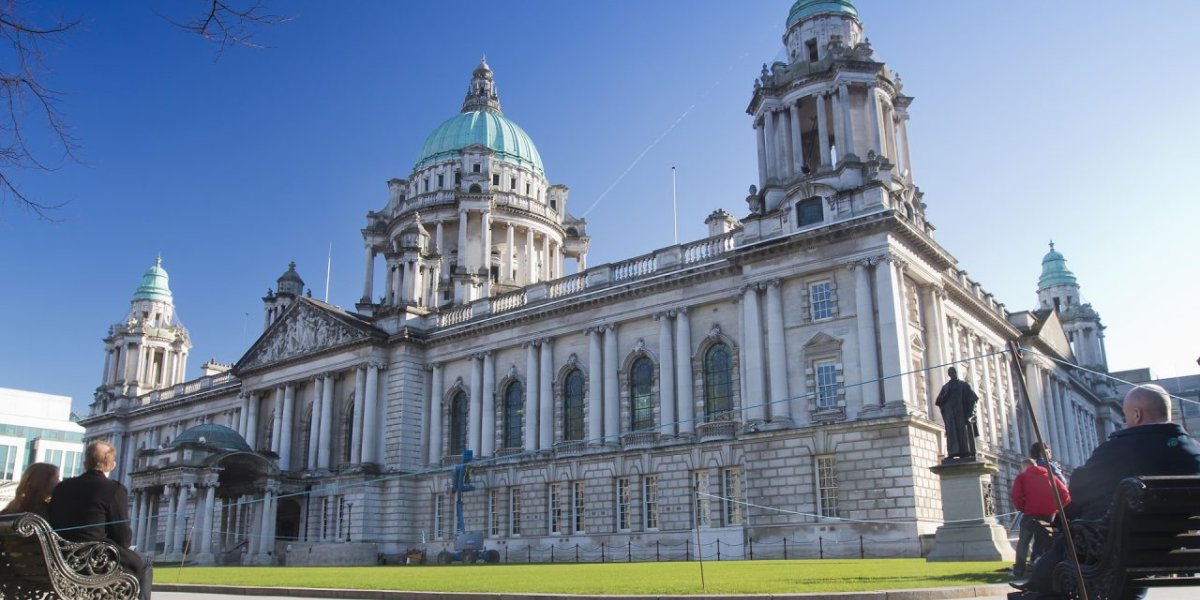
<point>216,436</point>
<point>803,9</point>
<point>505,138</point>
<point>481,122</point>
<point>1054,270</point>
<point>154,284</point>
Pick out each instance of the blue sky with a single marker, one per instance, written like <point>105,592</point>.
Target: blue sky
<point>1072,121</point>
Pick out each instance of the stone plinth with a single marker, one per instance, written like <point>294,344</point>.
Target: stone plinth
<point>970,533</point>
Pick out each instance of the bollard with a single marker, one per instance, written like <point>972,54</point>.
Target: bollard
<point>718,550</point>
<point>551,553</point>
<point>628,550</point>
<point>656,557</point>
<point>862,553</point>
<point>529,557</point>
<point>687,549</point>
<point>601,551</point>
<point>821,546</point>
<point>785,547</point>
<point>576,553</point>
<point>751,542</point>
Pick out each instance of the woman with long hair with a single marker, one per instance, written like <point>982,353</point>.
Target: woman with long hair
<point>33,493</point>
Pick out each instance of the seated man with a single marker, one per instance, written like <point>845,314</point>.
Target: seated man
<point>91,508</point>
<point>1150,444</point>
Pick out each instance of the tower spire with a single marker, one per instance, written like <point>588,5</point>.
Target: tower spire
<point>481,95</point>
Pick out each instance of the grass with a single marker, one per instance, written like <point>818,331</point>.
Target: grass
<point>731,577</point>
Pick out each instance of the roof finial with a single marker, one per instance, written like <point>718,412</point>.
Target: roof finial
<point>1051,243</point>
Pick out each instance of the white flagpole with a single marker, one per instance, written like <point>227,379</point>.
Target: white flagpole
<point>674,207</point>
<point>328,267</point>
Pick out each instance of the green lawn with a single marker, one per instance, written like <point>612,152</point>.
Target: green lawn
<point>732,577</point>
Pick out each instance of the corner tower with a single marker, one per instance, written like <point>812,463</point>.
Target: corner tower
<point>1058,290</point>
<point>148,351</point>
<point>288,287</point>
<point>831,124</point>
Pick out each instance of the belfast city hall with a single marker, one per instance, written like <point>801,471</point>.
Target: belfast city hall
<point>772,382</point>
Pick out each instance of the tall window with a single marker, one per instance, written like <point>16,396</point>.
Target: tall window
<point>557,518</point>
<point>827,486</point>
<point>820,300</point>
<point>514,511</point>
<point>513,413</point>
<point>458,423</point>
<point>810,211</point>
<point>701,504</point>
<point>348,432</point>
<point>826,376</point>
<point>641,382</point>
<point>8,462</point>
<point>439,516</point>
<point>732,495</point>
<point>578,506</point>
<point>494,513</point>
<point>650,501</point>
<point>623,504</point>
<point>308,433</point>
<point>573,406</point>
<point>718,384</point>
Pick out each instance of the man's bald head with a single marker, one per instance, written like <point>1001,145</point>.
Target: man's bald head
<point>1147,404</point>
<point>100,456</point>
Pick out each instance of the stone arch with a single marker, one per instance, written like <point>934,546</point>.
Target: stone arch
<point>505,387</point>
<point>577,387</point>
<point>457,406</point>
<point>626,382</point>
<point>699,382</point>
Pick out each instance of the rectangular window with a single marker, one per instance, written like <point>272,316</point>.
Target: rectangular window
<point>439,516</point>
<point>577,510</point>
<point>496,179</point>
<point>556,509</point>
<point>701,503</point>
<point>827,487</point>
<point>514,511</point>
<point>475,168</point>
<point>820,300</point>
<point>426,184</point>
<point>826,376</point>
<point>810,211</point>
<point>623,504</point>
<point>527,189</point>
<point>512,183</point>
<point>8,462</point>
<point>458,178</point>
<point>811,47</point>
<point>732,493</point>
<point>494,513</point>
<point>650,501</point>
<point>441,181</point>
<point>343,518</point>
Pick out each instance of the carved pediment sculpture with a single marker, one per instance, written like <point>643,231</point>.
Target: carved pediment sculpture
<point>304,330</point>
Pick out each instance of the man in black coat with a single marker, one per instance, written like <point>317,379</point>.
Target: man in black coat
<point>92,508</point>
<point>957,401</point>
<point>1150,444</point>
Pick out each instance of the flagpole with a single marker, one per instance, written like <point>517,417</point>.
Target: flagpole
<point>328,267</point>
<point>674,207</point>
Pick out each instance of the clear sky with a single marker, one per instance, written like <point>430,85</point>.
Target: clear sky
<point>1072,120</point>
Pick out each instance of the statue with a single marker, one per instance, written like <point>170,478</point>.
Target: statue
<point>755,201</point>
<point>957,401</point>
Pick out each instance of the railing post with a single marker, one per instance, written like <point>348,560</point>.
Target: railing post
<point>750,541</point>
<point>601,551</point>
<point>656,556</point>
<point>785,547</point>
<point>529,553</point>
<point>821,546</point>
<point>718,550</point>
<point>862,552</point>
<point>628,550</point>
<point>687,549</point>
<point>576,553</point>
<point>551,553</point>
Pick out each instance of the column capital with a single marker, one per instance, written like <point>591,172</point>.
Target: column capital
<point>378,364</point>
<point>750,287</point>
<point>547,340</point>
<point>433,366</point>
<point>859,263</point>
<point>664,315</point>
<point>682,311</point>
<point>609,327</point>
<point>775,283</point>
<point>533,343</point>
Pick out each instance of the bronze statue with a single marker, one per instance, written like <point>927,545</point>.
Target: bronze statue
<point>957,401</point>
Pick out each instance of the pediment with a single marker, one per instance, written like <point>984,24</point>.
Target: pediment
<point>306,328</point>
<point>823,339</point>
<point>1052,334</point>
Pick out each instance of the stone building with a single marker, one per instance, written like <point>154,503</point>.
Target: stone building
<point>773,381</point>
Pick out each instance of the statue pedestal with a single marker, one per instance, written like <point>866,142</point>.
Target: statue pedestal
<point>971,532</point>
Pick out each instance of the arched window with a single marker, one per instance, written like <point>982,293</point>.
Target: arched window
<point>718,384</point>
<point>475,189</point>
<point>641,381</point>
<point>348,431</point>
<point>573,406</point>
<point>514,400</point>
<point>458,423</point>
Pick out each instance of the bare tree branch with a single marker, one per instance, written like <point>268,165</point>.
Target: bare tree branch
<point>229,25</point>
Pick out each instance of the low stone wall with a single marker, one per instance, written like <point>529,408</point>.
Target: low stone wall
<point>303,554</point>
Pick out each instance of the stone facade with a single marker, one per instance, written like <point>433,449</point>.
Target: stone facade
<point>772,384</point>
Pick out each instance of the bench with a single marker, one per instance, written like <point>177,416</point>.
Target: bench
<point>36,563</point>
<point>1150,538</point>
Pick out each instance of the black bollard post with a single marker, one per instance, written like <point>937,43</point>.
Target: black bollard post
<point>629,551</point>
<point>506,553</point>
<point>718,550</point>
<point>785,547</point>
<point>601,551</point>
<point>687,549</point>
<point>656,556</point>
<point>751,542</point>
<point>862,553</point>
<point>529,556</point>
<point>551,553</point>
<point>821,546</point>
<point>576,553</point>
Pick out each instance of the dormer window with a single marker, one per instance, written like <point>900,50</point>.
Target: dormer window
<point>811,47</point>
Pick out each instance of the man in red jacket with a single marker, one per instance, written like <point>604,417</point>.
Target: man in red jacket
<point>1033,496</point>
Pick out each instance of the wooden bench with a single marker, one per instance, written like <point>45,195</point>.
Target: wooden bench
<point>36,563</point>
<point>1150,538</point>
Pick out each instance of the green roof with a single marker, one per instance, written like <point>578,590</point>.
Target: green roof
<point>1054,270</point>
<point>213,435</point>
<point>486,128</point>
<point>154,284</point>
<point>803,9</point>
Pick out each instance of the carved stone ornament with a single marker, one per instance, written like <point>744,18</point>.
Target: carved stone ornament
<point>304,331</point>
<point>573,360</point>
<point>641,345</point>
<point>715,331</point>
<point>512,371</point>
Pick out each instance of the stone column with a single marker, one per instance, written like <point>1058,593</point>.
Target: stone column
<point>252,420</point>
<point>902,144</point>
<point>475,412</point>
<point>485,234</point>
<point>755,399</point>
<point>546,396</point>
<point>876,138</point>
<point>545,258</point>
<point>902,329</point>
<point>462,239</point>
<point>612,393</point>
<point>172,512</point>
<point>892,345</point>
<point>864,317</point>
<point>530,263</point>
<point>369,275</point>
<point>180,531</point>
<point>325,446</point>
<point>265,514</point>
<point>782,408</point>
<point>666,374</point>
<point>276,419</point>
<point>205,526</point>
<point>797,139</point>
<point>488,447</point>
<point>847,119</point>
<point>439,240</point>
<point>510,252</point>
<point>288,417</point>
<point>373,416</point>
<point>772,146</point>
<point>988,397</point>
<point>789,150</point>
<point>314,422</point>
<point>762,154</point>
<point>931,297</point>
<point>253,537</point>
<point>532,401</point>
<point>360,396</point>
<point>823,128</point>
<point>595,393</point>
<point>684,389</point>
<point>435,414</point>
